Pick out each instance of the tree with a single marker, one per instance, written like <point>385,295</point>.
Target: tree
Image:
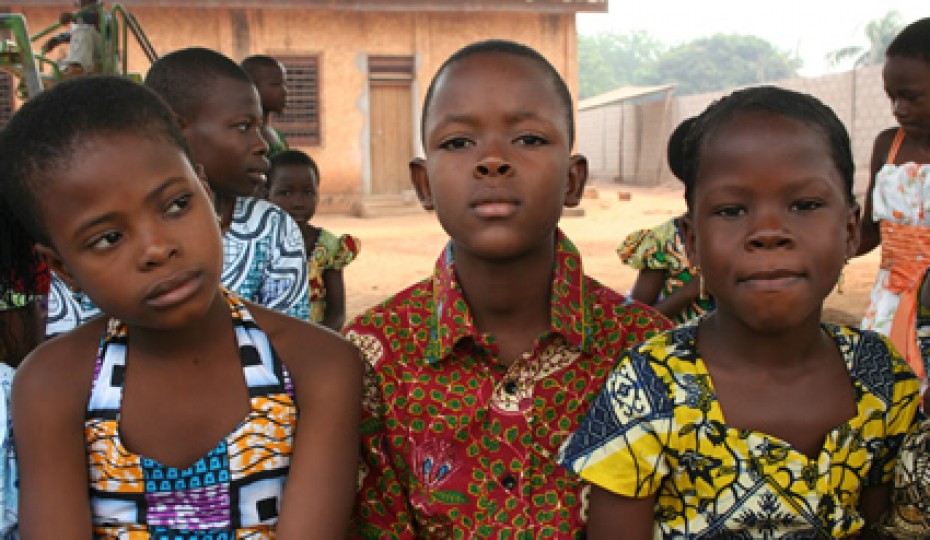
<point>721,61</point>
<point>879,32</point>
<point>607,60</point>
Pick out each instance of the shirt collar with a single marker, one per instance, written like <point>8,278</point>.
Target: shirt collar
<point>451,319</point>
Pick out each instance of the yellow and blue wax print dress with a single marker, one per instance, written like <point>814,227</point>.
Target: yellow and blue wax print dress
<point>656,428</point>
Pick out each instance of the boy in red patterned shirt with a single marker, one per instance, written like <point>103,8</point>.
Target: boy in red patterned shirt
<point>478,374</point>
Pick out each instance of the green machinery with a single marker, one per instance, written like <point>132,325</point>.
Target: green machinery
<point>20,52</point>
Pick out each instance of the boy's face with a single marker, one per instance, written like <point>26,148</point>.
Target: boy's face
<point>147,251</point>
<point>498,168</point>
<point>272,88</point>
<point>295,189</point>
<point>225,137</point>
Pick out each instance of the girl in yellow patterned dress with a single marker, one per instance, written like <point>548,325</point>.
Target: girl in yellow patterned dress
<point>294,185</point>
<point>757,420</point>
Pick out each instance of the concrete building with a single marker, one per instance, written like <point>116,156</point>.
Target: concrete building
<point>357,69</point>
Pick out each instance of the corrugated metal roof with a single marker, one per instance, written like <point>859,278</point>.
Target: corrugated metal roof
<point>624,93</point>
<point>555,6</point>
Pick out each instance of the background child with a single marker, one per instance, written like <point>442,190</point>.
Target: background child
<point>270,79</point>
<point>666,279</point>
<point>897,202</point>
<point>294,185</point>
<point>84,39</point>
<point>479,372</point>
<point>217,106</point>
<point>183,420</point>
<point>756,420</point>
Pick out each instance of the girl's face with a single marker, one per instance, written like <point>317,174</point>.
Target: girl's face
<point>131,225</point>
<point>770,224</point>
<point>295,189</point>
<point>907,84</point>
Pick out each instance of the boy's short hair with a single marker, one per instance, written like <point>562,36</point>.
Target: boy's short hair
<point>253,64</point>
<point>912,42</point>
<point>293,157</point>
<point>48,131</point>
<point>502,46</point>
<point>184,78</point>
<point>798,106</point>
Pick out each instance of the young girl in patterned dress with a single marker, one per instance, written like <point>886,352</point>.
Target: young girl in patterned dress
<point>294,185</point>
<point>184,411</point>
<point>897,205</point>
<point>666,280</point>
<point>757,420</point>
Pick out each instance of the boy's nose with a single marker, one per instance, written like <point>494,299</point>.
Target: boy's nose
<point>157,252</point>
<point>493,166</point>
<point>769,232</point>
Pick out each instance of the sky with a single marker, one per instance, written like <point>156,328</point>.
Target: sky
<point>810,28</point>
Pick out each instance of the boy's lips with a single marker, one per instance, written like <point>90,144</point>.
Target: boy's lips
<point>495,207</point>
<point>175,289</point>
<point>257,177</point>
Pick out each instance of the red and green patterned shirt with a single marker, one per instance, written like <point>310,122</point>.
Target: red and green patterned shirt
<point>456,443</point>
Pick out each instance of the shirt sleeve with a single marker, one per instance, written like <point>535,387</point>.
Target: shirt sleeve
<point>902,418</point>
<point>620,445</point>
<point>9,473</point>
<point>382,508</point>
<point>285,286</point>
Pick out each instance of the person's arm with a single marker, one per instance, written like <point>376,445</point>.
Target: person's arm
<point>327,374</point>
<point>49,401</point>
<point>21,330</point>
<point>870,233</point>
<point>382,506</point>
<point>648,285</point>
<point>335,315</point>
<point>606,510</point>
<point>874,502</point>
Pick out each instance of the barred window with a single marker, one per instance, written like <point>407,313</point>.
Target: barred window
<point>300,122</point>
<point>7,101</point>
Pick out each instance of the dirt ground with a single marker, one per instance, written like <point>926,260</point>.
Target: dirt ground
<point>398,250</point>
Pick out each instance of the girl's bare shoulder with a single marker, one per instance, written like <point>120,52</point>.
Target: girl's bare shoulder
<point>62,367</point>
<point>308,349</point>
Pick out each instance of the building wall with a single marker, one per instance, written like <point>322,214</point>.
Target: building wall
<point>344,40</point>
<point>857,97</point>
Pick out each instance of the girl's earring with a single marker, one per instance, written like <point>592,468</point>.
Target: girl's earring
<point>839,282</point>
<point>703,293</point>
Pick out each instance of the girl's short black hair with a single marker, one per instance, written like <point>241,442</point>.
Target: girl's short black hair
<point>798,106</point>
<point>293,157</point>
<point>503,46</point>
<point>912,42</point>
<point>46,135</point>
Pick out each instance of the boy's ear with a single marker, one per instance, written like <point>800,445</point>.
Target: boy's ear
<point>182,122</point>
<point>419,177</point>
<point>51,259</point>
<point>577,178</point>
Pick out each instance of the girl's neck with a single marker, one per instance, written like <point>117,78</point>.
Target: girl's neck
<point>726,340</point>
<point>186,342</point>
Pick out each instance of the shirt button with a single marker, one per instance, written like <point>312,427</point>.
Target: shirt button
<point>509,482</point>
<point>510,387</point>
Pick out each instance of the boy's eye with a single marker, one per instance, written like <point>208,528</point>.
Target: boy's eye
<point>530,140</point>
<point>806,205</point>
<point>730,211</point>
<point>178,205</point>
<point>456,143</point>
<point>243,127</point>
<point>105,240</point>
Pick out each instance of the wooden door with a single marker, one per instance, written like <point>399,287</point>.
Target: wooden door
<point>391,137</point>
